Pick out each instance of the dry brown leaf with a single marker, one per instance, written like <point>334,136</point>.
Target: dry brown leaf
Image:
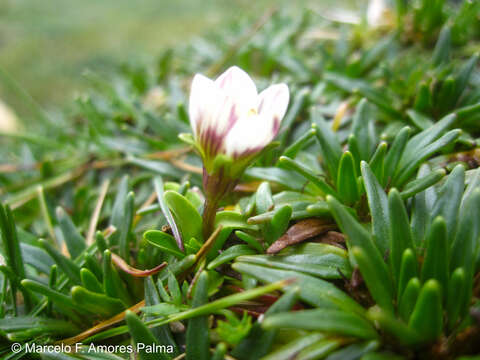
<point>301,231</point>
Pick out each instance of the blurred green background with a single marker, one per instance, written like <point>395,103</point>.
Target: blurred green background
<point>46,45</point>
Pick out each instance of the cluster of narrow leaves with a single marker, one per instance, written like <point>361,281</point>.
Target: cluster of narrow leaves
<point>357,237</point>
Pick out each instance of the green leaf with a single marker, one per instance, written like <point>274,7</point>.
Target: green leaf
<point>354,351</point>
<point>220,351</point>
<point>259,341</point>
<point>11,248</point>
<point>233,330</point>
<point>174,289</point>
<point>400,234</point>
<point>36,257</point>
<point>409,298</point>
<point>230,254</point>
<point>456,290</point>
<point>37,326</point>
<point>436,264</point>
<point>263,198</point>
<point>408,270</point>
<point>360,125</point>
<point>279,223</point>
<point>161,333</point>
<point>307,174</point>
<point>298,103</point>
<point>322,260</point>
<point>250,240</point>
<point>294,148</point>
<point>232,220</point>
<point>62,301</point>
<point>70,269</point>
<point>427,316</point>
<point>96,303</point>
<point>420,184</point>
<point>331,149</point>
<point>112,282</point>
<point>381,292</point>
<point>393,326</point>
<point>465,246</point>
<point>286,178</point>
<point>378,204</point>
<point>406,169</point>
<point>118,210</point>
<point>159,189</point>
<point>441,53</point>
<point>377,162</point>
<point>313,291</point>
<point>427,136</point>
<point>143,336</point>
<point>90,281</point>
<point>423,103</point>
<point>177,267</point>
<point>164,241</point>
<point>358,237</point>
<point>347,179</point>
<point>288,351</point>
<point>421,208</point>
<point>329,321</point>
<point>320,349</point>
<point>449,199</point>
<point>186,216</point>
<point>464,75</point>
<point>197,337</point>
<point>75,242</point>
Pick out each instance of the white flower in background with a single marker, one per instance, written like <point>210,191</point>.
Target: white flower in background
<point>377,13</point>
<point>8,119</point>
<point>229,117</point>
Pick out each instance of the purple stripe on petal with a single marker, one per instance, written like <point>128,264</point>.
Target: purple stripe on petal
<point>260,106</point>
<point>276,125</point>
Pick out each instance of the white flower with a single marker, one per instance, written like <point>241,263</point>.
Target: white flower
<point>229,117</point>
<point>377,13</point>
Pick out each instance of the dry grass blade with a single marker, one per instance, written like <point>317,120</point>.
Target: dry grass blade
<point>102,326</point>
<point>122,265</point>
<point>96,213</point>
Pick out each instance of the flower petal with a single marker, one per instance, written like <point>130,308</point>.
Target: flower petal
<point>249,135</point>
<point>272,104</point>
<point>238,85</point>
<point>200,106</point>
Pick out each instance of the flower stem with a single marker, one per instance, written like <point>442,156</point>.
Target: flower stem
<point>209,213</point>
